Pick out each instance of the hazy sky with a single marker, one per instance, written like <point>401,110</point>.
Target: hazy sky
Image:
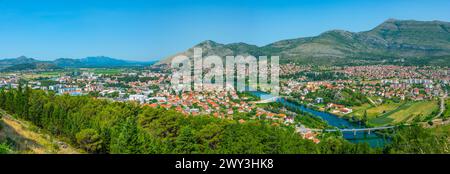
<point>153,29</point>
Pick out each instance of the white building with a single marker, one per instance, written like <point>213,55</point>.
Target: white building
<point>137,97</point>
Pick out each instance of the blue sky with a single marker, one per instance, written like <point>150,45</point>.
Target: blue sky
<point>149,30</point>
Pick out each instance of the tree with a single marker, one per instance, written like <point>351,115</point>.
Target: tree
<point>124,137</point>
<point>186,142</point>
<point>210,136</point>
<point>418,140</point>
<point>365,119</point>
<point>89,140</point>
<point>101,126</point>
<point>25,101</point>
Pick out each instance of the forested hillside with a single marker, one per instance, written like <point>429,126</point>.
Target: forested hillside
<point>100,126</point>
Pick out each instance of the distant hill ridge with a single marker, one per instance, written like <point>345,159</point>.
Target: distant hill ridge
<point>25,63</point>
<point>394,41</point>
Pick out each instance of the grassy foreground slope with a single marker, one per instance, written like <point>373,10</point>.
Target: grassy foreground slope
<point>23,137</point>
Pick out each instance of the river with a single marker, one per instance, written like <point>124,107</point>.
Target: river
<point>373,139</point>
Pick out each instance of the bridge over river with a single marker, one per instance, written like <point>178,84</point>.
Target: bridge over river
<point>355,130</point>
<point>350,131</point>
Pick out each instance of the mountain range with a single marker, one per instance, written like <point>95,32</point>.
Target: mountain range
<point>407,42</point>
<point>394,41</point>
<point>25,63</point>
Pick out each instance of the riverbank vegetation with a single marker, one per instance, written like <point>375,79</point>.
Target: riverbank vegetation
<point>300,117</point>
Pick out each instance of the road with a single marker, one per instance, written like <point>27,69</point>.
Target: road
<point>371,101</point>
<point>437,121</point>
<point>442,106</point>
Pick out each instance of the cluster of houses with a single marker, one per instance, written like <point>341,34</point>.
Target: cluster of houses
<point>153,89</point>
<point>307,133</point>
<point>336,108</point>
<point>385,81</point>
<point>221,104</point>
<point>383,72</point>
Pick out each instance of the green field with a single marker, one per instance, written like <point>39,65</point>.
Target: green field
<point>46,74</point>
<point>106,71</point>
<point>421,109</point>
<point>382,109</point>
<point>403,113</point>
<point>358,111</point>
<point>51,73</point>
<point>374,111</point>
<point>393,113</point>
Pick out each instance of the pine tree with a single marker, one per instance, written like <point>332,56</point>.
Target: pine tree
<point>124,137</point>
<point>365,119</point>
<point>185,142</point>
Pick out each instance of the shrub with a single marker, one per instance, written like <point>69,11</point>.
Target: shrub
<point>5,148</point>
